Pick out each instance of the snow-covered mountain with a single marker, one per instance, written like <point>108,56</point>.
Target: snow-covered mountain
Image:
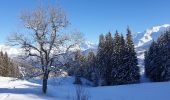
<point>143,39</point>
<point>12,51</point>
<point>86,47</point>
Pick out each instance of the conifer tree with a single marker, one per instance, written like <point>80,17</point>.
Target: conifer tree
<point>7,66</point>
<point>79,67</point>
<point>107,57</point>
<point>1,64</point>
<point>146,63</point>
<point>165,56</point>
<point>151,59</point>
<point>90,68</point>
<point>157,59</point>
<point>122,62</point>
<point>101,68</point>
<point>116,58</point>
<point>132,74</point>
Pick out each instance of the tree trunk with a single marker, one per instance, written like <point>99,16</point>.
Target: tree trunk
<point>45,78</point>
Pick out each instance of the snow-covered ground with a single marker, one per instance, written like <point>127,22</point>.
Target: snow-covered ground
<point>63,89</point>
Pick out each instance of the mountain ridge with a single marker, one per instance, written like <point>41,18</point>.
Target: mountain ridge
<point>142,41</point>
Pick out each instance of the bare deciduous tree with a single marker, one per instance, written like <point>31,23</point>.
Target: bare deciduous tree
<point>44,39</point>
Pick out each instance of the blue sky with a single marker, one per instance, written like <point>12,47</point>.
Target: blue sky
<point>92,17</point>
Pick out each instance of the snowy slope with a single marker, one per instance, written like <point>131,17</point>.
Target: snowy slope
<point>63,89</point>
<point>19,90</point>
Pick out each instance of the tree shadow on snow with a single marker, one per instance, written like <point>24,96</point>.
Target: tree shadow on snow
<point>28,90</point>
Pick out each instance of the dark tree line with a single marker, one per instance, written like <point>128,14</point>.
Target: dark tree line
<point>114,64</point>
<point>7,67</point>
<point>117,60</point>
<point>157,59</point>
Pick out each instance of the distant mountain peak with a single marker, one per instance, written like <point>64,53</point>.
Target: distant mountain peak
<point>156,28</point>
<point>142,41</point>
<point>13,52</point>
<point>87,45</point>
<point>10,50</point>
<point>144,38</point>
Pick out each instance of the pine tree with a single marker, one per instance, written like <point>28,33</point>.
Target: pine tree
<point>132,74</point>
<point>4,64</point>
<point>122,62</point>
<point>165,56</point>
<point>151,58</point>
<point>91,68</point>
<point>1,64</point>
<point>157,59</point>
<point>107,58</point>
<point>101,68</point>
<point>146,63</point>
<point>118,60</point>
<point>78,64</point>
<point>7,66</point>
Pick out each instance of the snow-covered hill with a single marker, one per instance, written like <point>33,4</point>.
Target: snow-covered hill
<point>62,89</point>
